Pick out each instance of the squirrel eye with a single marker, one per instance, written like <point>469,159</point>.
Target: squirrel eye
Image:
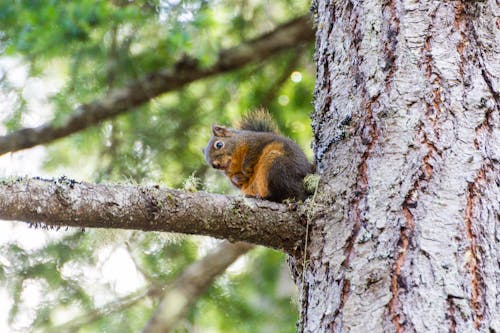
<point>218,144</point>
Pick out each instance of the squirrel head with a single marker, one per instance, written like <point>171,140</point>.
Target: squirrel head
<point>220,147</point>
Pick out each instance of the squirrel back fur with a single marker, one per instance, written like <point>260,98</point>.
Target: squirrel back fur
<point>258,160</point>
<point>258,120</point>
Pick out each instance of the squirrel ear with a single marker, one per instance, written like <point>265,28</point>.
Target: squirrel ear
<point>220,131</point>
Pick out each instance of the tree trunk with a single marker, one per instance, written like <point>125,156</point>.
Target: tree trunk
<point>403,236</point>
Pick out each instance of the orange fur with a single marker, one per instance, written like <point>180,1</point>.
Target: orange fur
<point>257,160</point>
<point>258,184</point>
<point>234,172</point>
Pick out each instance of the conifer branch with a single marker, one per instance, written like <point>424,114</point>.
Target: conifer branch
<point>64,202</point>
<point>191,284</point>
<point>187,70</point>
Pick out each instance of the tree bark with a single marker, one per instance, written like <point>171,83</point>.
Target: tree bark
<point>403,232</point>
<point>406,127</point>
<point>64,202</point>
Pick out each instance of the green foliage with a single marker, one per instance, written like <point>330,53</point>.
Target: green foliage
<point>252,301</point>
<point>90,48</point>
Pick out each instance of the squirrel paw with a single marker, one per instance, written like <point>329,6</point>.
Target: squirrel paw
<point>238,180</point>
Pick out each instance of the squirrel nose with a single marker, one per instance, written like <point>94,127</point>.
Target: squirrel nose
<point>215,164</point>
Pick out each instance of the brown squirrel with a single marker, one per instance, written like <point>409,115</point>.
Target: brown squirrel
<point>258,160</point>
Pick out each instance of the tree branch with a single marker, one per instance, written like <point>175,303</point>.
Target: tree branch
<point>189,286</point>
<point>64,202</point>
<point>108,309</point>
<point>139,92</point>
<point>177,299</point>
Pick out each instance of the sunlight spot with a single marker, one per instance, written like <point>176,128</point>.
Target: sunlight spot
<point>119,270</point>
<point>283,100</point>
<point>296,77</point>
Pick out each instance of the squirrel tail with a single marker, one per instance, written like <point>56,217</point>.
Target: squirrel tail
<point>258,120</point>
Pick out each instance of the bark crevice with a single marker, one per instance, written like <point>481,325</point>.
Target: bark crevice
<point>473,257</point>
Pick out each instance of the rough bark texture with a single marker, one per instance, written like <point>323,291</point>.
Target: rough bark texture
<point>64,202</point>
<point>405,237</point>
<point>189,286</point>
<point>284,37</point>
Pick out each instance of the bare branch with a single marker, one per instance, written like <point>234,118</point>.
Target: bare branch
<point>122,100</point>
<point>191,284</point>
<point>64,202</point>
<point>110,308</point>
<point>185,289</point>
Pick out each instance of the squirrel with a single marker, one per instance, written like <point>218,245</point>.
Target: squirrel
<point>258,160</point>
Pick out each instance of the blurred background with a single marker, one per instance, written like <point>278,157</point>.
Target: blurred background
<point>56,55</point>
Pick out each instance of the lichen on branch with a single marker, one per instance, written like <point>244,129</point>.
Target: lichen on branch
<point>65,202</point>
